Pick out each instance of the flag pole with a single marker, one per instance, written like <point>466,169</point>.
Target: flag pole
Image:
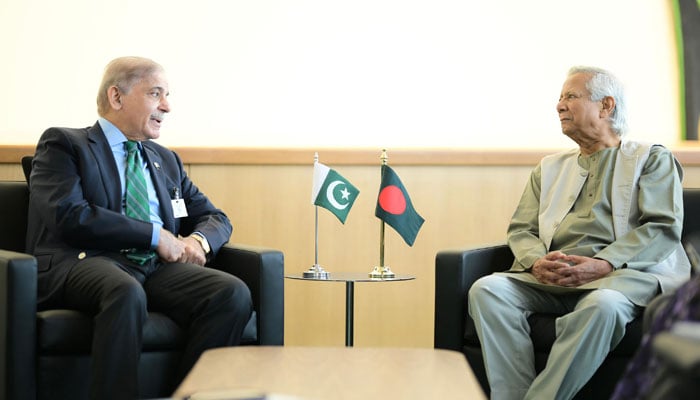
<point>316,236</point>
<point>316,271</point>
<point>382,271</point>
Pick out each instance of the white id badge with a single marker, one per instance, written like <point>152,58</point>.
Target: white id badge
<point>179,208</point>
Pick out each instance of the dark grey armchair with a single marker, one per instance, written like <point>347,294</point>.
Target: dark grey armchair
<point>46,354</point>
<point>457,270</point>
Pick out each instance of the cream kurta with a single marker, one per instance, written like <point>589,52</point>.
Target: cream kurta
<point>588,230</point>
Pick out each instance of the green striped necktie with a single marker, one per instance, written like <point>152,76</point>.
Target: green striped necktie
<point>137,205</point>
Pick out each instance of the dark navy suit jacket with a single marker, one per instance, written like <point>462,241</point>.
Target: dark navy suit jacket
<point>75,207</point>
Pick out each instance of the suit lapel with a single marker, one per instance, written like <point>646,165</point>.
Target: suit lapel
<point>106,165</point>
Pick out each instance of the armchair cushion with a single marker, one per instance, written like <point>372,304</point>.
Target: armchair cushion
<point>70,332</point>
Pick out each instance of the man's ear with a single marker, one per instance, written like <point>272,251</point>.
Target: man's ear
<point>608,106</point>
<point>114,95</point>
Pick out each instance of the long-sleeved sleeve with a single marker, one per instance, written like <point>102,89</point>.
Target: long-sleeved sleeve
<point>523,230</point>
<point>660,204</point>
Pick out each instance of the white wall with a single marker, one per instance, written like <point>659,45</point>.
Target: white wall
<point>360,73</point>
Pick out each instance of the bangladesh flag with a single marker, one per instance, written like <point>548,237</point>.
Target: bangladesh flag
<point>332,192</point>
<point>395,208</point>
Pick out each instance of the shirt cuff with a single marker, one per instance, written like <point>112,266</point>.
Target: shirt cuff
<point>155,236</point>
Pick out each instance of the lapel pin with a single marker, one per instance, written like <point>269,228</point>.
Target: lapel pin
<point>155,164</point>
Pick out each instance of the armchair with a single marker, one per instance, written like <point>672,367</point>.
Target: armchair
<point>680,355</point>
<point>456,271</point>
<point>46,354</point>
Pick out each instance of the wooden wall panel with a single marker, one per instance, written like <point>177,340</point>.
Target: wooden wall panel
<point>11,172</point>
<point>269,205</point>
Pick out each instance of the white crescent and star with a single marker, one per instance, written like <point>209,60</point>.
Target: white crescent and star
<point>331,197</point>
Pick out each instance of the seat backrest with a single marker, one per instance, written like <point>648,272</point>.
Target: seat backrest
<point>691,212</point>
<point>27,167</point>
<point>691,227</point>
<point>14,202</point>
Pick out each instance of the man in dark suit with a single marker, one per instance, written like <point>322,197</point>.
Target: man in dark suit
<point>93,257</point>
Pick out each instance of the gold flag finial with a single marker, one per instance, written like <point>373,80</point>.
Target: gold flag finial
<point>382,271</point>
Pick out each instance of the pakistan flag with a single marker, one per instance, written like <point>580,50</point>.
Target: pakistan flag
<point>332,192</point>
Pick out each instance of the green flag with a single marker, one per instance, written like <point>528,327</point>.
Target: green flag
<point>395,208</point>
<point>332,192</point>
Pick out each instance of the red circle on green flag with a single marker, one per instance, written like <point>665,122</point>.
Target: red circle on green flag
<point>392,200</point>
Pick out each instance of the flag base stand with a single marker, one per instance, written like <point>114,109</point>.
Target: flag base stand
<point>316,272</point>
<point>382,272</point>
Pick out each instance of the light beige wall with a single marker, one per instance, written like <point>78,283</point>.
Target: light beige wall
<point>320,73</point>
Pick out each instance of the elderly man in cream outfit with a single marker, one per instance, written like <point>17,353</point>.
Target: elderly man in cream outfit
<point>596,236</point>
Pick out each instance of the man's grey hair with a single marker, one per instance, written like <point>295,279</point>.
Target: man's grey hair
<point>602,84</point>
<point>123,73</point>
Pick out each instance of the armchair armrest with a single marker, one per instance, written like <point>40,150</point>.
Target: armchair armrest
<point>18,280</point>
<point>455,272</point>
<point>682,353</point>
<point>263,271</point>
